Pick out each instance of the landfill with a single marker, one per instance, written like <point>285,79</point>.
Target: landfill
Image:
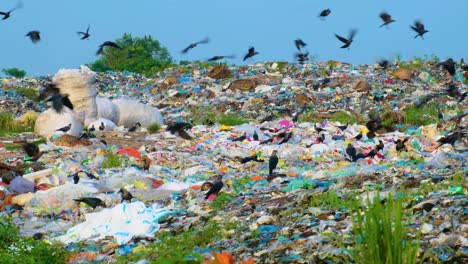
<point>310,114</point>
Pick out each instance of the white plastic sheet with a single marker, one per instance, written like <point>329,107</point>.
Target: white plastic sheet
<point>123,222</point>
<point>49,121</point>
<point>132,112</point>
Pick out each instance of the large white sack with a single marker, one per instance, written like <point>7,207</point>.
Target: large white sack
<point>108,125</point>
<point>78,84</point>
<point>132,111</point>
<point>106,109</point>
<point>49,121</point>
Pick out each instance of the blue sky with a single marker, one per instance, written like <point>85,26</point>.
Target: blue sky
<point>268,25</point>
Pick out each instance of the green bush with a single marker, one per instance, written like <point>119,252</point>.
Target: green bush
<point>14,72</point>
<point>17,249</point>
<point>177,248</point>
<point>154,128</point>
<point>8,125</point>
<point>381,233</point>
<point>29,93</point>
<point>231,120</point>
<point>112,160</point>
<point>140,55</point>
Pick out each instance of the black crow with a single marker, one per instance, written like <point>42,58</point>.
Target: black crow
<point>343,128</point>
<point>272,163</point>
<point>387,19</point>
<point>126,195</point>
<point>251,53</point>
<point>6,15</point>
<point>299,44</point>
<point>347,42</point>
<point>255,136</point>
<point>215,58</point>
<point>215,188</point>
<point>135,127</point>
<point>241,138</point>
<point>302,57</point>
<point>380,146</point>
<point>450,139</point>
<point>324,13</point>
<point>358,137</point>
<point>352,153</point>
<point>419,28</point>
<point>65,128</point>
<point>266,141</point>
<point>318,129</point>
<point>180,128</point>
<point>102,126</point>
<point>86,34</point>
<point>91,201</point>
<point>448,65</point>
<point>383,64</point>
<point>32,150</point>
<point>107,44</point>
<point>59,100</point>
<point>92,128</point>
<point>34,36</point>
<point>76,178</point>
<point>193,45</point>
<point>400,145</point>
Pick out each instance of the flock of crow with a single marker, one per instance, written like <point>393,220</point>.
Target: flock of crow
<point>59,101</point>
<point>301,57</point>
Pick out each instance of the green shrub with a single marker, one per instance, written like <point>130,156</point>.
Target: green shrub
<point>424,115</point>
<point>220,202</point>
<point>177,248</point>
<point>381,233</point>
<point>17,249</point>
<point>231,120</point>
<point>154,128</point>
<point>29,93</point>
<point>112,160</point>
<point>14,72</point>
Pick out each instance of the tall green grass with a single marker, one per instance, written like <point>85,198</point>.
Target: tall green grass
<point>8,125</point>
<point>381,233</point>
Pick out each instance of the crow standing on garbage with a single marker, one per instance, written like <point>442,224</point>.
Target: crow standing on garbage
<point>383,63</point>
<point>241,138</point>
<point>92,128</point>
<point>448,65</point>
<point>343,128</point>
<point>347,42</point>
<point>126,195</point>
<point>135,127</point>
<point>400,145</point>
<point>272,163</point>
<point>255,136</point>
<point>107,44</point>
<point>215,58</point>
<point>86,34</point>
<point>32,150</point>
<point>296,115</point>
<point>324,13</point>
<point>318,129</point>
<point>76,178</point>
<point>352,153</point>
<point>215,188</point>
<point>193,45</point>
<point>450,139</point>
<point>91,201</point>
<point>387,19</point>
<point>102,126</point>
<point>6,15</point>
<point>419,28</point>
<point>65,128</point>
<point>34,35</point>
<point>251,53</point>
<point>299,44</point>
<point>180,128</point>
<point>380,146</point>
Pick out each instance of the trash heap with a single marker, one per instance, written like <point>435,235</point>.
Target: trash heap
<point>302,213</point>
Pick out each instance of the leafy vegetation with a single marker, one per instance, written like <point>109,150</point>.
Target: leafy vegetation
<point>140,55</point>
<point>205,115</point>
<point>328,200</point>
<point>17,249</point>
<point>381,233</point>
<point>154,128</point>
<point>14,72</point>
<point>8,125</point>
<point>220,202</point>
<point>29,93</point>
<point>424,115</point>
<point>178,248</point>
<point>112,160</point>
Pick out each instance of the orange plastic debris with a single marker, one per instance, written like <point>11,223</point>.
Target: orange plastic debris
<point>130,152</point>
<point>257,178</point>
